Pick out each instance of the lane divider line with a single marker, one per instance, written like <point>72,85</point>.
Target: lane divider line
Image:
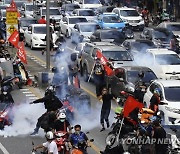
<point>3,149</point>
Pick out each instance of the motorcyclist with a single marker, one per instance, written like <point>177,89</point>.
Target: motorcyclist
<point>62,124</point>
<point>50,145</point>
<point>140,87</point>
<point>51,103</point>
<point>5,96</point>
<point>3,29</point>
<point>78,137</point>
<point>155,100</point>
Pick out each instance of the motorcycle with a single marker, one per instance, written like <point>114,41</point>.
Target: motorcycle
<point>81,148</point>
<point>146,21</point>
<point>5,118</point>
<point>61,141</point>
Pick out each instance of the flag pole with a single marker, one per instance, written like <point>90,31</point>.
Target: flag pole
<point>91,71</point>
<point>117,138</point>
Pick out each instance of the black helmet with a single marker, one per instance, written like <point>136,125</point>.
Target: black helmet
<point>141,74</point>
<point>50,91</point>
<point>73,56</point>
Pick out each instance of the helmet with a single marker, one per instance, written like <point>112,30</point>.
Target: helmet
<point>49,135</point>
<point>62,116</point>
<point>73,56</point>
<point>4,89</point>
<point>50,90</point>
<point>141,74</point>
<point>157,91</point>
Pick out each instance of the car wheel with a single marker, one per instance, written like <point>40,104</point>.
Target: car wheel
<point>85,73</point>
<point>32,48</point>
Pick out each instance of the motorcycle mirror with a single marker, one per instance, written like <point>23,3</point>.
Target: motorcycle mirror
<point>91,140</point>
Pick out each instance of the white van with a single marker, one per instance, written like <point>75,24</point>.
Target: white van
<point>88,4</point>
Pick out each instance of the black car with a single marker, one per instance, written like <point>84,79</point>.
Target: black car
<point>160,36</point>
<point>126,77</point>
<point>138,45</point>
<point>105,35</point>
<point>23,25</point>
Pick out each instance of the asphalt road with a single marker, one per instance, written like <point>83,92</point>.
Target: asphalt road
<point>16,139</point>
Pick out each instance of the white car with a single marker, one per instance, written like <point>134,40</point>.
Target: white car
<point>130,16</point>
<point>88,13</point>
<point>68,22</point>
<point>82,31</point>
<point>88,4</point>
<point>164,63</point>
<point>27,10</point>
<point>35,35</point>
<point>170,98</point>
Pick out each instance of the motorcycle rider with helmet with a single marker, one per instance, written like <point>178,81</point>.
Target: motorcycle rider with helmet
<point>62,124</point>
<point>51,103</point>
<point>79,137</point>
<point>5,96</point>
<point>50,145</point>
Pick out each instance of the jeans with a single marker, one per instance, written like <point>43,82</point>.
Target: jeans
<point>105,115</point>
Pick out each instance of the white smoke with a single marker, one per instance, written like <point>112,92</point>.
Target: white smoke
<point>24,120</point>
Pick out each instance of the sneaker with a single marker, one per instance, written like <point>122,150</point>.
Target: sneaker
<point>102,129</point>
<point>34,133</point>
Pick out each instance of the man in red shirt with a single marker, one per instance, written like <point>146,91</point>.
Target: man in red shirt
<point>42,20</point>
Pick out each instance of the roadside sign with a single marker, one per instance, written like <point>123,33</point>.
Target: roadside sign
<point>11,18</point>
<point>11,29</point>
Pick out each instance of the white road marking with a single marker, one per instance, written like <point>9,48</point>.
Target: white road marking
<point>24,89</point>
<point>27,92</point>
<point>3,149</point>
<point>30,95</point>
<point>33,98</point>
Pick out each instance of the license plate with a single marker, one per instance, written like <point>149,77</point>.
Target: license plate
<point>174,77</point>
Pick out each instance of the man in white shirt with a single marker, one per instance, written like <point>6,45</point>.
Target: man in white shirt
<point>50,145</point>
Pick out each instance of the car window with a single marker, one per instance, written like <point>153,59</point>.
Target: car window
<point>87,48</point>
<point>78,47</point>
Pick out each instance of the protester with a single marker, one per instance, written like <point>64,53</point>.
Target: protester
<point>50,145</point>
<point>42,20</point>
<point>106,107</point>
<point>5,96</point>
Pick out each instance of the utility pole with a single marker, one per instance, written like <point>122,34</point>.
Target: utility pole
<point>47,37</point>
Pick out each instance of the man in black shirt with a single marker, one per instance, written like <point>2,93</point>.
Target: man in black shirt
<point>61,124</point>
<point>106,107</point>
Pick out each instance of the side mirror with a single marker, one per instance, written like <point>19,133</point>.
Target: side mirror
<point>163,103</point>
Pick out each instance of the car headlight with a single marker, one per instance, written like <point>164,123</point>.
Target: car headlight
<point>35,38</point>
<point>170,109</point>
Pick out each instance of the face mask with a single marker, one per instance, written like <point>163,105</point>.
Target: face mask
<point>62,120</point>
<point>5,93</point>
<point>77,132</point>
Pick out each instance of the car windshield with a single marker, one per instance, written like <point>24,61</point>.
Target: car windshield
<point>86,13</point>
<point>127,13</point>
<point>29,7</point>
<point>26,23</point>
<point>172,94</point>
<point>117,55</point>
<point>111,19</point>
<point>19,4</point>
<point>71,7</point>
<point>92,2</point>
<point>40,30</point>
<point>167,59</point>
<point>89,28</point>
<point>175,27</point>
<point>77,20</point>
<point>162,35</point>
<point>132,76</point>
<point>51,12</point>
<point>142,46</point>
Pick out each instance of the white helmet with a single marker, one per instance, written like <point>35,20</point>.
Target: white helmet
<point>62,116</point>
<point>49,135</point>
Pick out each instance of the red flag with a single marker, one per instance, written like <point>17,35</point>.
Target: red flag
<point>22,53</point>
<point>130,104</point>
<point>104,61</point>
<point>14,38</point>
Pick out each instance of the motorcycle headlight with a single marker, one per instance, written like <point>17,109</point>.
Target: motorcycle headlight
<point>170,109</point>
